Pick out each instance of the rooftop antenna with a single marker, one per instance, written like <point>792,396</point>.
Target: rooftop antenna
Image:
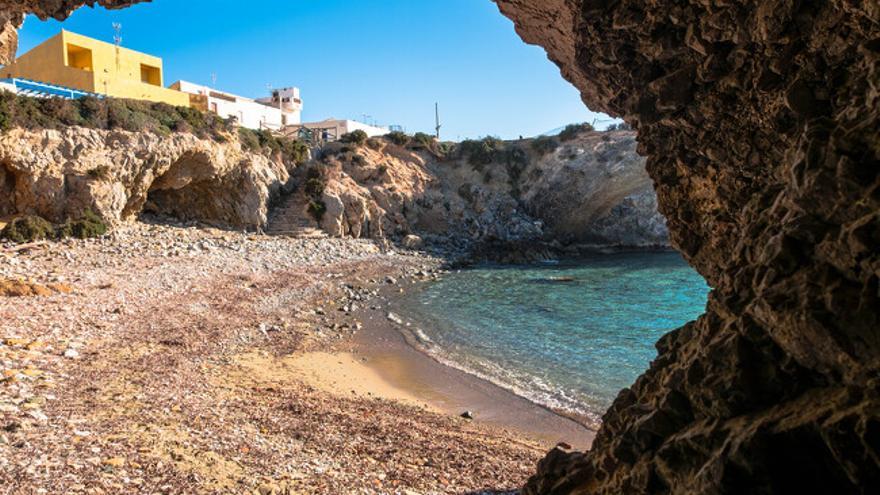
<point>437,119</point>
<point>117,40</point>
<point>213,79</point>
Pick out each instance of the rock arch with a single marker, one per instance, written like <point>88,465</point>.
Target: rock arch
<point>759,120</point>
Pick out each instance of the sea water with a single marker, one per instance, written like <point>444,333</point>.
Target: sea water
<point>568,335</point>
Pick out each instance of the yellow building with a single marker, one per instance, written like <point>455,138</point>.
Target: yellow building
<point>79,62</point>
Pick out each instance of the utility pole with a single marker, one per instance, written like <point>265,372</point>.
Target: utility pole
<point>437,119</point>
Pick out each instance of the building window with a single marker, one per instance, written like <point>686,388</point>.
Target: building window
<point>151,75</point>
<point>79,57</point>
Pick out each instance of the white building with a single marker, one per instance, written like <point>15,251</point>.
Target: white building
<point>287,99</point>
<point>333,129</point>
<point>250,113</point>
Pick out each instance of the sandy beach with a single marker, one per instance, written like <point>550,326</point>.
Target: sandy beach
<point>204,361</point>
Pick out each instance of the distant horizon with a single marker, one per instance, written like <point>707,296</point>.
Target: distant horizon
<point>487,81</point>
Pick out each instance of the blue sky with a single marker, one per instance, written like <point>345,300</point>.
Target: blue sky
<point>388,59</point>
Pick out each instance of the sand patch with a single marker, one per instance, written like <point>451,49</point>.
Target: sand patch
<point>339,374</point>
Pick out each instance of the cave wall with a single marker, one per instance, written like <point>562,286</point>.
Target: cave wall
<point>760,124</point>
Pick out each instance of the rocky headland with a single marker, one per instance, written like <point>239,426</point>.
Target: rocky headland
<point>589,190</point>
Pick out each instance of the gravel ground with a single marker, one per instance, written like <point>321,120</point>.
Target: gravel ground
<point>129,368</point>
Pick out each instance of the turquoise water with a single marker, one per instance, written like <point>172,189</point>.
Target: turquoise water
<point>567,335</point>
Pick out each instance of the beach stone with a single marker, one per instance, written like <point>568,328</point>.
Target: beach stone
<point>413,241</point>
<point>467,415</point>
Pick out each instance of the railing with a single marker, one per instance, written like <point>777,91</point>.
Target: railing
<point>39,89</point>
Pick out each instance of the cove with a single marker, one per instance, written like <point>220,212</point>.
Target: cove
<point>567,335</point>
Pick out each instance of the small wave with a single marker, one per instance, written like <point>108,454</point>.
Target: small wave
<point>531,388</point>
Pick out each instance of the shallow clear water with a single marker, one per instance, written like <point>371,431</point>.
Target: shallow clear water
<point>568,335</point>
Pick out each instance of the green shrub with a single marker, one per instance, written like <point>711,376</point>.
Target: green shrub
<point>482,152</point>
<point>28,229</point>
<point>623,126</point>
<point>357,137</point>
<point>374,144</point>
<point>33,228</point>
<point>89,226</point>
<point>108,113</point>
<point>264,141</point>
<point>317,209</point>
<point>424,140</point>
<point>94,112</point>
<point>545,144</point>
<point>64,111</point>
<point>516,160</point>
<point>572,131</point>
<point>314,188</point>
<point>249,140</point>
<point>398,138</point>
<point>138,116</point>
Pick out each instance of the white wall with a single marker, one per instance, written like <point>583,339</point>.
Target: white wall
<point>372,131</point>
<point>249,112</point>
<point>346,126</point>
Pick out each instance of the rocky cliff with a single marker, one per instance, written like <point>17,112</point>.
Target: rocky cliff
<point>59,174</point>
<point>760,123</point>
<point>592,189</point>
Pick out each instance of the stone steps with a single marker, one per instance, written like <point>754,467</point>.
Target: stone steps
<point>291,218</point>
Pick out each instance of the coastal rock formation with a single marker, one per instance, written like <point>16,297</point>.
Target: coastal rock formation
<point>592,189</point>
<point>760,123</point>
<point>59,174</point>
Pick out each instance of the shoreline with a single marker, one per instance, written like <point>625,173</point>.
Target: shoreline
<point>411,375</point>
<point>181,367</point>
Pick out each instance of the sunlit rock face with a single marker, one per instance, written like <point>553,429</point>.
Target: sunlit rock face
<point>760,124</point>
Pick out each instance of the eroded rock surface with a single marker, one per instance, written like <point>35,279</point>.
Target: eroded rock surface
<point>760,123</point>
<point>118,175</point>
<point>591,191</point>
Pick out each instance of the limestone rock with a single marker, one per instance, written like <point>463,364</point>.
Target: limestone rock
<point>118,174</point>
<point>592,190</point>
